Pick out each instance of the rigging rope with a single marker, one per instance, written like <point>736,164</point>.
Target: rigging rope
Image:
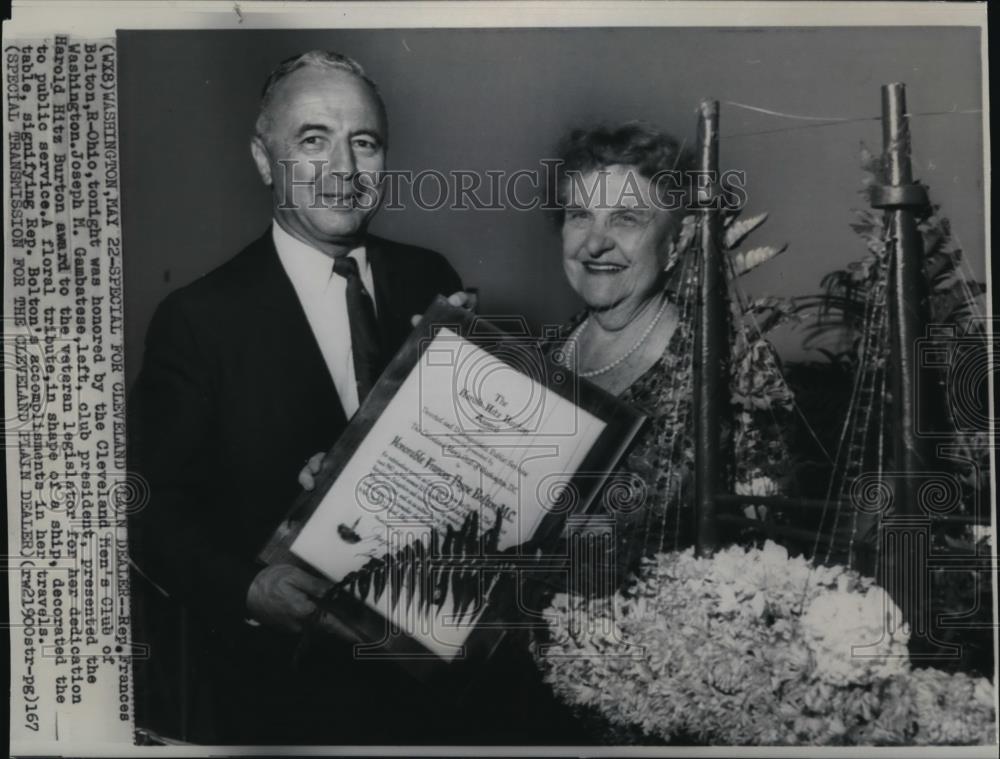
<point>818,121</point>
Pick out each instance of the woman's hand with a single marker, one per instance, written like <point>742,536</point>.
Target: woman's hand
<point>461,299</point>
<point>307,477</point>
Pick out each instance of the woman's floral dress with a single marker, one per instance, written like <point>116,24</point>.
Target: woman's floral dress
<point>645,506</point>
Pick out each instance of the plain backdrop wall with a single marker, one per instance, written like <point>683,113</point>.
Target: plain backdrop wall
<point>483,100</point>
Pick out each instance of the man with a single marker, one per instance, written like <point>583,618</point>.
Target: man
<point>247,372</point>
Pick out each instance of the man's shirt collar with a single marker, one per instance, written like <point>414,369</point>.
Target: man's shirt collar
<point>310,266</point>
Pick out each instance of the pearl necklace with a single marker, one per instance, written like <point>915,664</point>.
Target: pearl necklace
<point>574,338</point>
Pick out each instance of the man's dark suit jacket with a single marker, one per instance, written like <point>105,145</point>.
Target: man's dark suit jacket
<point>232,398</point>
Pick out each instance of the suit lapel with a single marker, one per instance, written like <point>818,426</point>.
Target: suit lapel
<point>286,318</point>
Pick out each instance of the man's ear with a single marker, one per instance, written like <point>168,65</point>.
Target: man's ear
<point>262,159</point>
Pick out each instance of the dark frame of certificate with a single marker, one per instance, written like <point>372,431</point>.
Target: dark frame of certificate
<point>621,424</point>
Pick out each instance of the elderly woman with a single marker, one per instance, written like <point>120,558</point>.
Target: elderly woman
<point>622,212</point>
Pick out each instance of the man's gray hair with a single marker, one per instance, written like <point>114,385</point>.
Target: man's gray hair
<point>327,59</point>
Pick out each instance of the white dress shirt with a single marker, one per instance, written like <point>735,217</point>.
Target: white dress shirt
<point>323,296</point>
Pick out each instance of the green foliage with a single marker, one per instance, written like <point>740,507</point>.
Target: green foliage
<point>840,310</point>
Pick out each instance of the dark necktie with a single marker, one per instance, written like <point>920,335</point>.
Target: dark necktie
<point>364,328</point>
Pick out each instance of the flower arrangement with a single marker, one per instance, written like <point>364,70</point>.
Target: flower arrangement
<point>753,647</point>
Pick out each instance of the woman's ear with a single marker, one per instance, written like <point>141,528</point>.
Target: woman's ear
<point>261,158</point>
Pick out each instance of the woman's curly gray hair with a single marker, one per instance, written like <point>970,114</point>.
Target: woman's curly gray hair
<point>650,151</point>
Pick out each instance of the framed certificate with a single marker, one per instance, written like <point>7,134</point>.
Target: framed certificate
<point>461,465</point>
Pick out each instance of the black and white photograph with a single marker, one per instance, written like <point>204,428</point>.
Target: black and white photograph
<point>446,377</point>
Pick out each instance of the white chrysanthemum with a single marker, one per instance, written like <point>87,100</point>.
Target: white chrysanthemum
<point>855,638</point>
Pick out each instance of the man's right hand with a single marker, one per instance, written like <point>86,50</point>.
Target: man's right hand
<point>284,597</point>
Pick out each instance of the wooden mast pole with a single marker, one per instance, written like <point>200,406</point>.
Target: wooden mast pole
<point>908,317</point>
<point>903,568</point>
<point>711,341</point>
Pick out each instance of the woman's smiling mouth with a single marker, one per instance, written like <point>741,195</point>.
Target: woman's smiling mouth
<point>603,268</point>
